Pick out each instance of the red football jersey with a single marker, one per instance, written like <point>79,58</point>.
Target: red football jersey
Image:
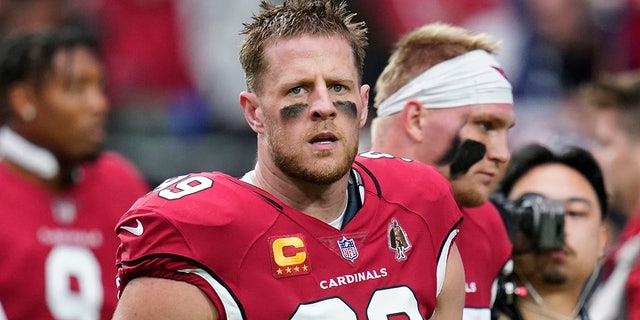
<point>485,248</point>
<point>57,249</point>
<point>253,255</point>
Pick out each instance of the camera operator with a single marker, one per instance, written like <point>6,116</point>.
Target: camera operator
<point>551,277</point>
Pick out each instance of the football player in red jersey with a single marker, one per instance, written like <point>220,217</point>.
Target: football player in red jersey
<point>61,195</point>
<point>444,100</point>
<point>313,232</point>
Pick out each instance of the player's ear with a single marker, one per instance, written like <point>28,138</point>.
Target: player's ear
<point>252,111</point>
<point>413,117</point>
<point>20,99</point>
<point>364,96</point>
<point>605,233</point>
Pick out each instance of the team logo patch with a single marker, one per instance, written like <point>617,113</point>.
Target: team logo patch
<point>348,249</point>
<point>398,240</point>
<point>290,257</point>
<point>344,245</point>
<point>64,210</point>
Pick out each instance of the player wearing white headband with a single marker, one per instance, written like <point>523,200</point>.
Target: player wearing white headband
<point>444,100</point>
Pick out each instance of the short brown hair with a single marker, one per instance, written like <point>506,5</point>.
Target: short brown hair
<point>619,91</point>
<point>423,48</point>
<point>295,18</point>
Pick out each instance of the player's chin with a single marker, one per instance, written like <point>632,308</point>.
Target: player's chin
<point>90,152</point>
<point>483,187</point>
<point>329,166</point>
<point>317,175</point>
<point>475,201</point>
<point>482,195</point>
<point>471,197</point>
<point>330,171</point>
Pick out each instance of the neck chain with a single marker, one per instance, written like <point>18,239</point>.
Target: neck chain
<point>543,311</point>
<point>538,306</point>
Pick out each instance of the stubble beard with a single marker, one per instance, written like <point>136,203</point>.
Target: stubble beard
<point>291,163</point>
<point>466,195</point>
<point>547,272</point>
<point>552,276</point>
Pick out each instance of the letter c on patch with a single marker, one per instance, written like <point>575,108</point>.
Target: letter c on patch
<point>289,251</point>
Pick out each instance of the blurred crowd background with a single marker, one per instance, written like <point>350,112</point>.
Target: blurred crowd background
<point>174,75</point>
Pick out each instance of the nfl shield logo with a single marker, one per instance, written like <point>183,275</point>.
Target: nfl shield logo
<point>348,249</point>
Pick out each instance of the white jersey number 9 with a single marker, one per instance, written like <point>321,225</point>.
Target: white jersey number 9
<point>84,302</point>
<point>184,187</point>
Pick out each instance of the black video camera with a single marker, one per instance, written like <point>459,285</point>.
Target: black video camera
<point>534,223</point>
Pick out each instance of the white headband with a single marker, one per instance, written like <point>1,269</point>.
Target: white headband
<point>471,78</point>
